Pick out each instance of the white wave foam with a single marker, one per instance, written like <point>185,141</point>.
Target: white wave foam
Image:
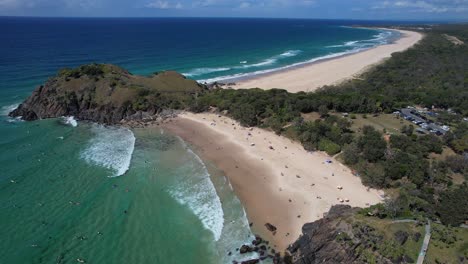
<point>249,74</point>
<point>15,119</point>
<point>269,61</point>
<point>5,110</point>
<point>272,60</point>
<point>199,194</point>
<point>201,71</point>
<point>111,147</point>
<point>290,53</point>
<point>70,120</point>
<point>383,37</point>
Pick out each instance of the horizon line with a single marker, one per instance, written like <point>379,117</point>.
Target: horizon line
<point>233,17</point>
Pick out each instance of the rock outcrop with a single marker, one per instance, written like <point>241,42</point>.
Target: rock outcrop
<point>319,244</point>
<point>109,94</point>
<point>338,238</point>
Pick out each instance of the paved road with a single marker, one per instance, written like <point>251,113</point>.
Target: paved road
<point>425,245</point>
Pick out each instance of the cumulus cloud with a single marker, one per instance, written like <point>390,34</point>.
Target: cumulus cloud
<point>430,6</point>
<point>8,3</point>
<point>252,4</point>
<point>164,5</point>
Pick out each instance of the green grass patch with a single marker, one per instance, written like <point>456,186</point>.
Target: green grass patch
<point>448,245</point>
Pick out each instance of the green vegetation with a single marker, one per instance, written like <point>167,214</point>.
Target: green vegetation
<point>93,70</point>
<point>448,245</point>
<point>104,84</point>
<point>399,241</point>
<point>373,239</point>
<point>432,74</point>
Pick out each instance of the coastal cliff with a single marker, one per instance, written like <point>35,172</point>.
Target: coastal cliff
<point>108,94</point>
<point>319,242</point>
<point>345,236</point>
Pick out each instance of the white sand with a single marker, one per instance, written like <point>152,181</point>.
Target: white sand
<point>275,186</point>
<point>311,77</point>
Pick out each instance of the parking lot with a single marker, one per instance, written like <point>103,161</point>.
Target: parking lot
<point>421,121</point>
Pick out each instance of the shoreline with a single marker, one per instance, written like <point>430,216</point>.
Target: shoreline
<point>309,77</point>
<point>286,187</point>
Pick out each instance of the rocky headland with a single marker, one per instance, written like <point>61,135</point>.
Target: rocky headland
<point>108,94</point>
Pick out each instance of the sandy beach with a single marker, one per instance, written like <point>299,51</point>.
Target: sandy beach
<point>277,181</point>
<point>313,76</point>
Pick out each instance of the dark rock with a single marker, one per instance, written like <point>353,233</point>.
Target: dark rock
<point>270,227</point>
<point>326,240</point>
<point>91,92</point>
<point>252,261</point>
<point>416,236</point>
<point>258,240</point>
<point>245,249</point>
<point>401,237</point>
<point>408,259</point>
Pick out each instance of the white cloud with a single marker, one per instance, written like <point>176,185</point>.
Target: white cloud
<point>429,6</point>
<point>245,5</point>
<point>85,4</point>
<point>164,5</point>
<point>9,3</point>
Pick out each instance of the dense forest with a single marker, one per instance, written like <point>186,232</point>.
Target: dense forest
<point>434,73</point>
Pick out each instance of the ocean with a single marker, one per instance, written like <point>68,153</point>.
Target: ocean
<point>74,190</point>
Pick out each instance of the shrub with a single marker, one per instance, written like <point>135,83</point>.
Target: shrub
<point>328,146</point>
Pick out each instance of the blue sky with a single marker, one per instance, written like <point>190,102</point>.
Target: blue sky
<point>333,9</point>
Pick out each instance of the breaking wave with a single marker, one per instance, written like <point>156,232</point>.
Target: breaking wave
<point>382,38</point>
<point>70,120</point>
<point>267,62</point>
<point>111,148</point>
<point>201,71</point>
<point>5,110</point>
<point>197,192</point>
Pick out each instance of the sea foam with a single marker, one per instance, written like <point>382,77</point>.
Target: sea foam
<point>198,193</point>
<point>5,110</point>
<point>269,61</point>
<point>272,60</point>
<point>70,120</point>
<point>111,147</point>
<point>201,71</point>
<point>383,37</point>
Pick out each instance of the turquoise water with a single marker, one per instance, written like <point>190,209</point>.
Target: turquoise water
<point>59,204</point>
<point>111,195</point>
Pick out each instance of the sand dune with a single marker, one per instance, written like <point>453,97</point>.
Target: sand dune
<point>275,178</point>
<point>313,76</point>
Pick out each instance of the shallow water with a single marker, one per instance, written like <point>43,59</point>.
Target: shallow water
<point>58,207</point>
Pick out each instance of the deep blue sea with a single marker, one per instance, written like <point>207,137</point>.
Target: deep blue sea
<point>72,191</point>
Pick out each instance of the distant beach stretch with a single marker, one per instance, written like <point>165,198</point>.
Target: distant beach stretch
<point>312,76</point>
<point>277,181</point>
